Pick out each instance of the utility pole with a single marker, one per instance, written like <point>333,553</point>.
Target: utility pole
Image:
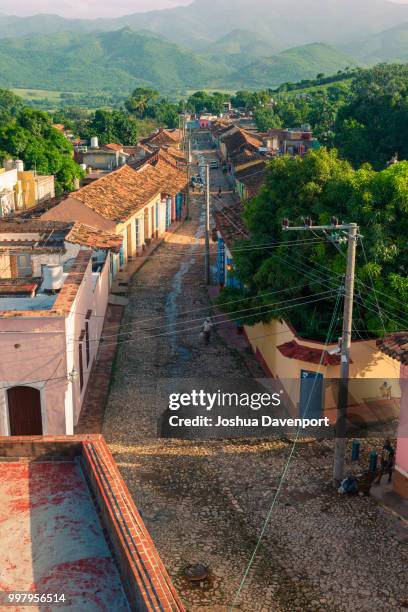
<point>188,175</point>
<point>342,400</point>
<point>340,441</point>
<point>207,226</point>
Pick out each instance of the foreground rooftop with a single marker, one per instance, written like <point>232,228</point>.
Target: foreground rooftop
<point>70,526</point>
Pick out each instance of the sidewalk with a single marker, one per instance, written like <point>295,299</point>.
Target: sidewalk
<point>386,496</point>
<point>228,331</point>
<point>93,409</point>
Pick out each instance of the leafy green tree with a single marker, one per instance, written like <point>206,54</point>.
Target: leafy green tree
<point>373,125</point>
<point>266,118</point>
<point>140,100</point>
<point>319,186</point>
<point>10,105</point>
<point>31,137</point>
<point>165,112</point>
<point>111,126</point>
<point>210,102</point>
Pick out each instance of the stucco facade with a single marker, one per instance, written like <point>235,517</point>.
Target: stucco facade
<point>369,368</point>
<point>43,349</point>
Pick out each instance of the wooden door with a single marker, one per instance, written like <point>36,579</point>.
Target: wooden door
<point>24,404</point>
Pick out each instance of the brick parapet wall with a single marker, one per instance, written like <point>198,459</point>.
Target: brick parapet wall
<point>144,576</point>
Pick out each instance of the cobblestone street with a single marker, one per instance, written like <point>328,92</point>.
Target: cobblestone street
<point>205,502</point>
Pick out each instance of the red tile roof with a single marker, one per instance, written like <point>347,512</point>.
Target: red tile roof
<point>113,146</point>
<point>94,238</point>
<point>229,223</point>
<point>53,235</point>
<point>123,192</point>
<point>293,350</point>
<point>163,137</point>
<point>396,346</point>
<point>240,140</point>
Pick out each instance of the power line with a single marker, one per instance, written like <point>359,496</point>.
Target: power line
<point>285,470</point>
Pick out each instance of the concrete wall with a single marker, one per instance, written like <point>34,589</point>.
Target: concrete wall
<point>41,351</point>
<point>33,353</point>
<point>92,297</point>
<point>401,475</point>
<point>74,210</point>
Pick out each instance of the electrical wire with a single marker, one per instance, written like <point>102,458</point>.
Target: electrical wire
<point>286,468</point>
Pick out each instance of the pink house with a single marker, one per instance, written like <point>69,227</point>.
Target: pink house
<point>206,121</point>
<point>396,346</point>
<point>54,291</point>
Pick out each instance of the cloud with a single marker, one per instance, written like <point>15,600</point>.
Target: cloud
<point>85,8</point>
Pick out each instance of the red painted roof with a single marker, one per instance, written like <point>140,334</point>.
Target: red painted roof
<point>293,350</point>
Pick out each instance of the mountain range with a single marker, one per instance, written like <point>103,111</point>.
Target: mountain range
<point>121,60</point>
<point>286,23</point>
<point>224,44</point>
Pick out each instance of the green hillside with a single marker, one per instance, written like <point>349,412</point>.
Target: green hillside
<point>292,65</point>
<point>121,60</point>
<point>388,46</point>
<point>109,61</point>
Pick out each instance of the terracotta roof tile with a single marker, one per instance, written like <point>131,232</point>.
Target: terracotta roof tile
<point>396,346</point>
<point>123,192</point>
<point>230,224</point>
<point>95,238</point>
<point>119,194</point>
<point>163,137</point>
<point>113,146</point>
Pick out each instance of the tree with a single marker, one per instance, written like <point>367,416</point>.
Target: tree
<point>321,185</point>
<point>266,118</point>
<point>31,137</point>
<point>10,105</point>
<point>210,102</point>
<point>112,126</point>
<point>139,101</point>
<point>373,125</point>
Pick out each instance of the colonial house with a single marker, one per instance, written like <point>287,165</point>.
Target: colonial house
<point>54,290</point>
<point>396,347</point>
<point>163,138</point>
<point>237,146</point>
<point>249,178</point>
<point>22,189</point>
<point>105,158</point>
<point>229,227</point>
<point>292,141</point>
<point>137,204</point>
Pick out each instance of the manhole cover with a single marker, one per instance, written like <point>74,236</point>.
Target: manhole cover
<point>197,572</point>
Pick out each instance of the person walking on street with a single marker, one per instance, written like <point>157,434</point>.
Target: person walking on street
<point>206,331</point>
<point>220,192</point>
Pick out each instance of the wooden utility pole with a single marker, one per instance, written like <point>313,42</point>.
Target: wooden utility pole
<point>342,400</point>
<point>340,441</point>
<point>188,157</point>
<point>207,226</point>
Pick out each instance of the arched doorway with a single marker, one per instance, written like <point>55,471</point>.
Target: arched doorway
<point>24,406</point>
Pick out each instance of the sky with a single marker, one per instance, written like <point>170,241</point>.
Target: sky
<point>91,9</point>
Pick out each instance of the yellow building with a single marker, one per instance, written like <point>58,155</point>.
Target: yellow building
<point>301,365</point>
